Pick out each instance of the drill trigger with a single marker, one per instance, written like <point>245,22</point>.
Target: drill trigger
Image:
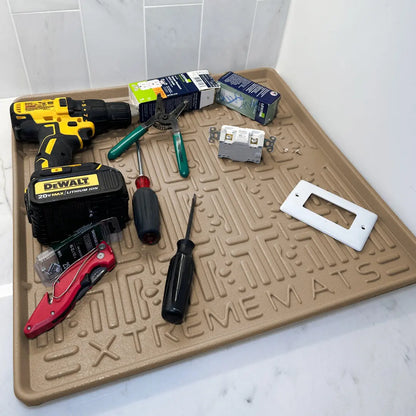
<point>86,134</point>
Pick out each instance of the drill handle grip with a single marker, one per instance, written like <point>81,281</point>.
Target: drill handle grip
<point>55,148</point>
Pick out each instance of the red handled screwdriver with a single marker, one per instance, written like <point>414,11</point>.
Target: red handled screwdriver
<point>179,278</point>
<point>145,207</point>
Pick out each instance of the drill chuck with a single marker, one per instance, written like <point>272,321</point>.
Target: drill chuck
<point>105,115</point>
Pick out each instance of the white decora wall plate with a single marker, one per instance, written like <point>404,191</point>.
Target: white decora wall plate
<point>354,237</point>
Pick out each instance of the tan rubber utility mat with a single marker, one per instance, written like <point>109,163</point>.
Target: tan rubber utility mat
<point>256,267</point>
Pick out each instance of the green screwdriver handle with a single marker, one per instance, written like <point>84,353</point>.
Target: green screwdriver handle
<point>180,154</point>
<point>125,143</point>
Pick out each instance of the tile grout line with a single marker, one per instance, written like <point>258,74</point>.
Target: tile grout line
<point>46,11</point>
<point>22,57</point>
<point>283,32</point>
<point>251,34</point>
<point>145,41</point>
<point>200,35</point>
<point>162,6</point>
<point>84,40</point>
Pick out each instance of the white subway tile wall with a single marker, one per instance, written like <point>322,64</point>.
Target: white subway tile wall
<point>172,39</point>
<point>53,50</point>
<point>226,32</point>
<point>114,41</point>
<point>61,45</point>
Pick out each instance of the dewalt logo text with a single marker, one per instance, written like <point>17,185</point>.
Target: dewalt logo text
<point>62,184</point>
<point>70,183</point>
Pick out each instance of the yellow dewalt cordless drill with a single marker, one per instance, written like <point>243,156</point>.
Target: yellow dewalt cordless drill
<point>61,196</point>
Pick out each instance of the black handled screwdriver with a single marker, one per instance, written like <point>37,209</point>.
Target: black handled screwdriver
<point>145,207</point>
<point>179,278</point>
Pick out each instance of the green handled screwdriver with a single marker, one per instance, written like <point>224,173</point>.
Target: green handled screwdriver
<point>179,278</point>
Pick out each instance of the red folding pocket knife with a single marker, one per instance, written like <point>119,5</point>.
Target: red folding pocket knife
<point>70,287</point>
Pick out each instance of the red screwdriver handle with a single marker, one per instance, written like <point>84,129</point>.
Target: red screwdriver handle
<point>142,182</point>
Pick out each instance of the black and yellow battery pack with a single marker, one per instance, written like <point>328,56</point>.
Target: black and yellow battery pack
<point>60,200</point>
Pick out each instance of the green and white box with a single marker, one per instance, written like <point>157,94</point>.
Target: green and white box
<point>197,87</point>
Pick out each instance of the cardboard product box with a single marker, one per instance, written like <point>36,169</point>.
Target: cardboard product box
<point>198,87</point>
<point>248,98</point>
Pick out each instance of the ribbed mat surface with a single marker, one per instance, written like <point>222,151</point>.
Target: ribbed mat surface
<point>256,268</point>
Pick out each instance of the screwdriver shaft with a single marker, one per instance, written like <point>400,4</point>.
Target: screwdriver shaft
<point>191,216</point>
<point>139,158</point>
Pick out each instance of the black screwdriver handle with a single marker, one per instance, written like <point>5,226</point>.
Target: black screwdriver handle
<point>178,283</point>
<point>146,215</point>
